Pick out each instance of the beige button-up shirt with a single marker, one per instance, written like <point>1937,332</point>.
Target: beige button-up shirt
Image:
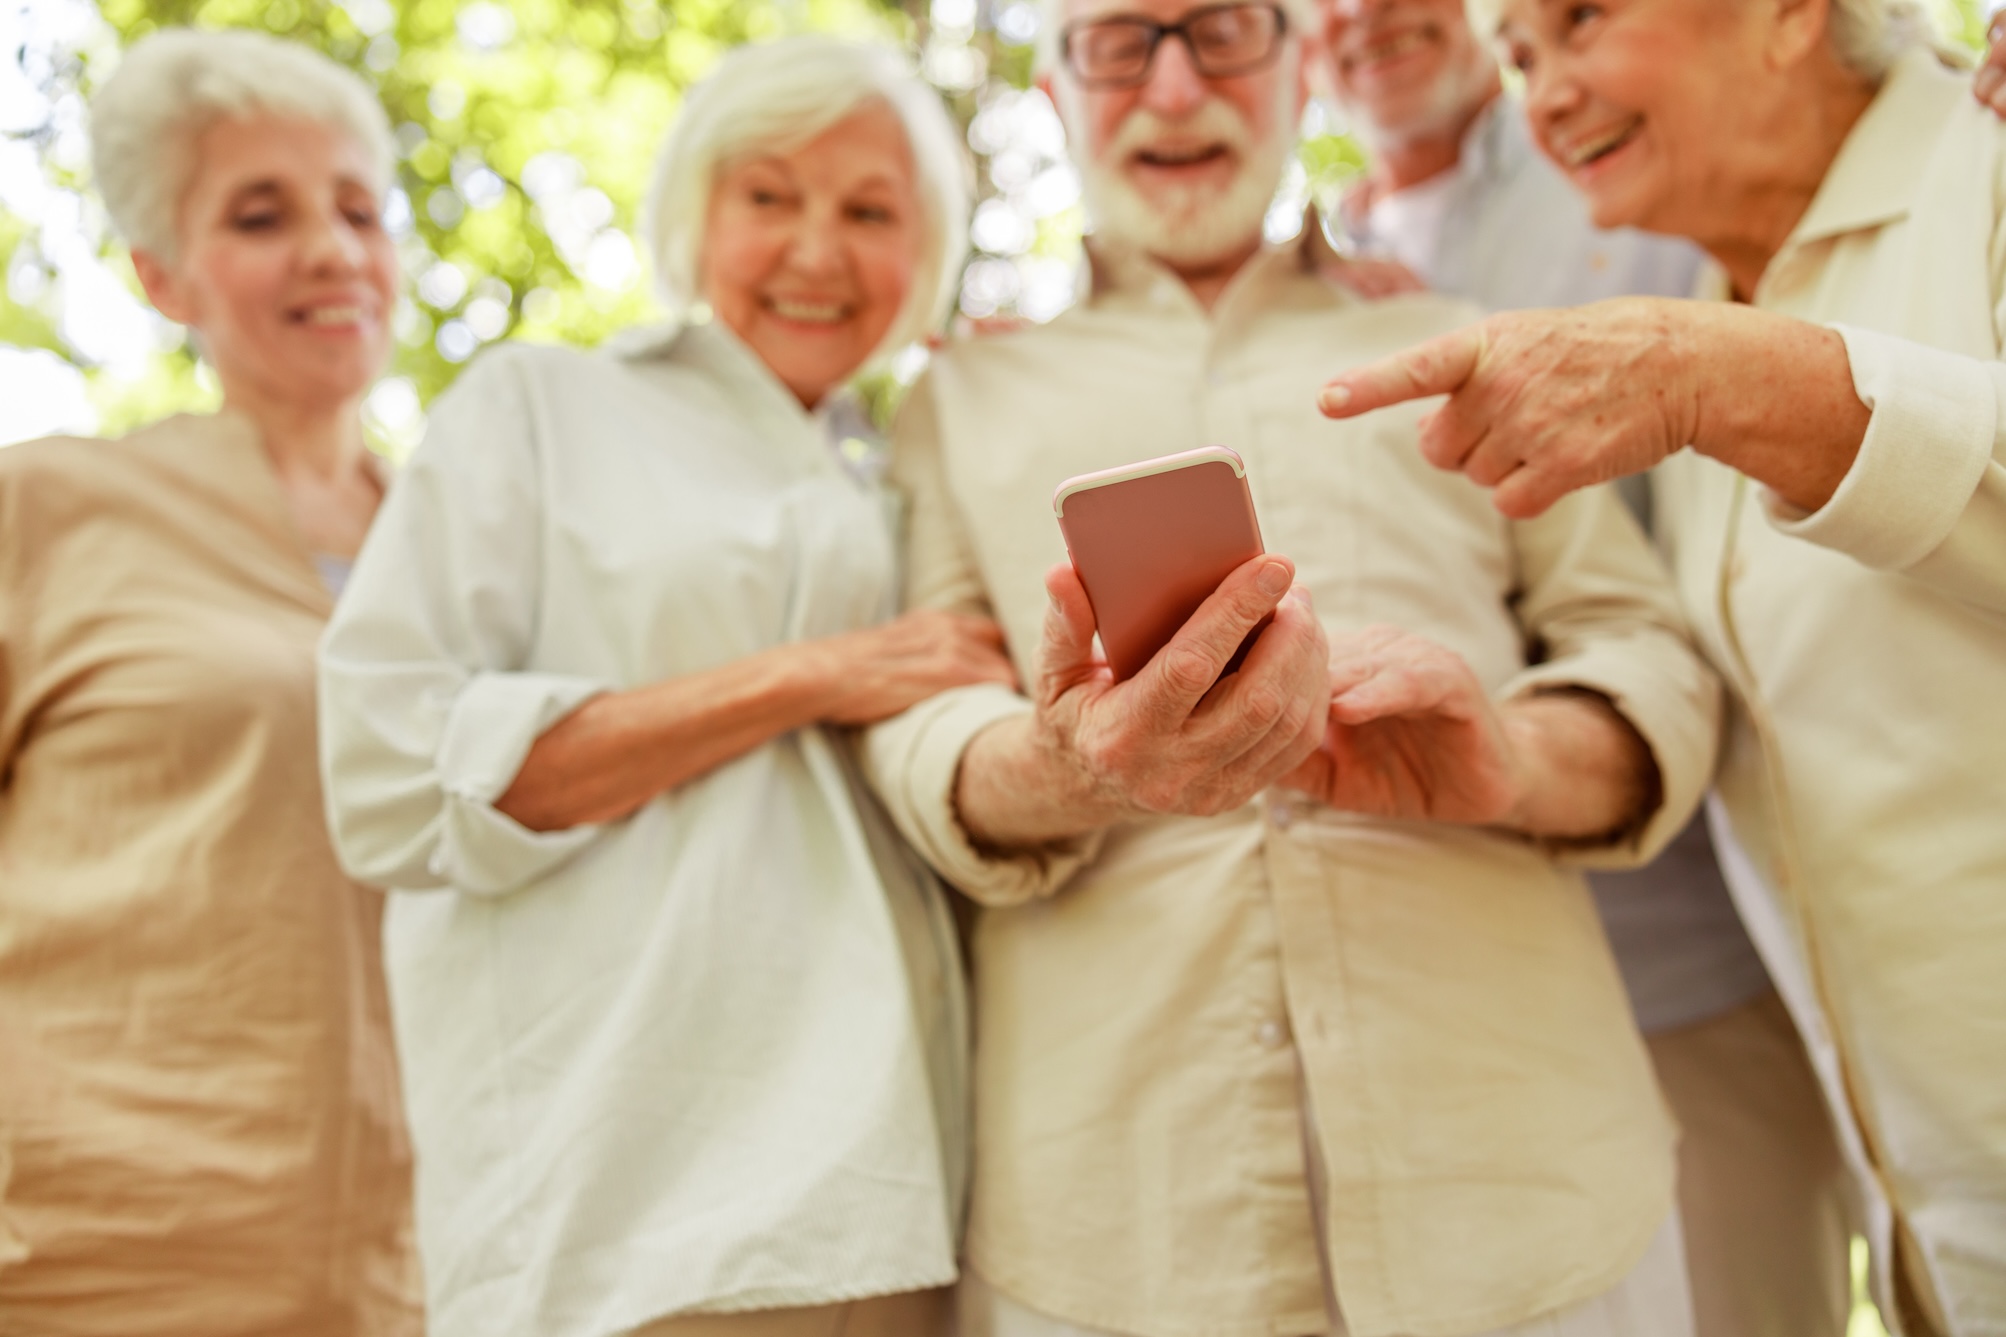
<point>1865,759</point>
<point>1153,1003</point>
<point>200,1126</point>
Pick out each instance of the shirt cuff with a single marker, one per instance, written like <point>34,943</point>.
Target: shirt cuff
<point>914,761</point>
<point>1674,705</point>
<point>1931,436</point>
<point>494,721</point>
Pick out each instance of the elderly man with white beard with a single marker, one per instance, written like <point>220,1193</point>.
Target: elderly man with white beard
<point>1280,1038</point>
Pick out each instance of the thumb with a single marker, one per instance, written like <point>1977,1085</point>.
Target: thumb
<point>1437,367</point>
<point>1067,654</point>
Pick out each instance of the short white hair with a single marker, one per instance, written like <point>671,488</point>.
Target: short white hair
<point>774,97</point>
<point>1870,35</point>
<point>175,84</point>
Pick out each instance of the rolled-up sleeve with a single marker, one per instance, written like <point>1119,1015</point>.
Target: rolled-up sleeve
<point>1598,605</point>
<point>426,712</point>
<point>1926,495</point>
<point>913,760</point>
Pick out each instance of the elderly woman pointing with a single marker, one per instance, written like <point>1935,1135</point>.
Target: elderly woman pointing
<point>1835,508</point>
<point>680,1017</point>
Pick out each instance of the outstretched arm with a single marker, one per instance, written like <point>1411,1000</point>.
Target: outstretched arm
<point>1544,402</point>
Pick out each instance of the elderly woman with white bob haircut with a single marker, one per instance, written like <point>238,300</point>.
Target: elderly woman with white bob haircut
<point>200,1124</point>
<point>680,1018</point>
<point>1834,496</point>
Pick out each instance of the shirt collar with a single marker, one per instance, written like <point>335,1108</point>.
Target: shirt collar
<point>1879,169</point>
<point>841,421</point>
<point>1119,272</point>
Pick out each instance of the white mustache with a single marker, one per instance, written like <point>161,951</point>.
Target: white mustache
<point>1212,123</point>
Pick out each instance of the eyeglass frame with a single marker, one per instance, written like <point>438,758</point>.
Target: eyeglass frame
<point>1181,30</point>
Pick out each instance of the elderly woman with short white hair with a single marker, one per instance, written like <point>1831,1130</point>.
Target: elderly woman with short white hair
<point>1835,505</point>
<point>200,1125</point>
<point>681,1020</point>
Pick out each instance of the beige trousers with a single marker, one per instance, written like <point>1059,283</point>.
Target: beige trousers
<point>1651,1301</point>
<point>1761,1182</point>
<point>907,1314</point>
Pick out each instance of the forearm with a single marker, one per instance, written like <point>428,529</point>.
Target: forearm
<point>1774,400</point>
<point>617,751</point>
<point>1014,791</point>
<point>1585,773</point>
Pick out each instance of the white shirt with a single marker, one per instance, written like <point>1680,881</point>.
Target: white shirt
<point>1863,767</point>
<point>680,1061</point>
<point>1503,228</point>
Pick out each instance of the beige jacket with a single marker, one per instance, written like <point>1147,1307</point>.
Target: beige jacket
<point>1152,1004</point>
<point>198,1093</point>
<point>1865,760</point>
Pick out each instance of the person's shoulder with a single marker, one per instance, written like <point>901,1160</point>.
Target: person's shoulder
<point>1360,327</point>
<point>95,463</point>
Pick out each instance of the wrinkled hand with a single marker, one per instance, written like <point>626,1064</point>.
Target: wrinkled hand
<point>1989,85</point>
<point>1372,277</point>
<point>877,672</point>
<point>1412,735</point>
<point>1544,402</point>
<point>1175,737</point>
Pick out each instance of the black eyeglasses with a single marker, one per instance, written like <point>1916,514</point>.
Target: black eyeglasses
<point>1224,41</point>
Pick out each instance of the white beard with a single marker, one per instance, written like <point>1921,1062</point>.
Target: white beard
<point>1184,226</point>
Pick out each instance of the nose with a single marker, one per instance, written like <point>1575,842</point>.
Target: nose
<point>1174,88</point>
<point>331,245</point>
<point>1551,95</point>
<point>816,248</point>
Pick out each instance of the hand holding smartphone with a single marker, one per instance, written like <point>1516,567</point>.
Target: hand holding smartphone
<point>1151,541</point>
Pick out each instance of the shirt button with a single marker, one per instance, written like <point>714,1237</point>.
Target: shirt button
<point>1272,1034</point>
<point>1280,813</point>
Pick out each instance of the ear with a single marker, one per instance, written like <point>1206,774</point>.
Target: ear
<point>1797,29</point>
<point>1043,83</point>
<point>163,288</point>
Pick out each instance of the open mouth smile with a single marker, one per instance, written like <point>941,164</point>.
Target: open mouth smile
<point>808,311</point>
<point>1594,148</point>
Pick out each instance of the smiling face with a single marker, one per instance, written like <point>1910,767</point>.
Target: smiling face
<point>809,255</point>
<point>1406,69</point>
<point>283,267</point>
<point>1655,109</point>
<point>1181,165</point>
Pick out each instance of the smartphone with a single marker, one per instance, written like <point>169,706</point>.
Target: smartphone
<point>1152,540</point>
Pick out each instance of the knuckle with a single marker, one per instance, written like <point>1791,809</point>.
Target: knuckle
<point>1188,669</point>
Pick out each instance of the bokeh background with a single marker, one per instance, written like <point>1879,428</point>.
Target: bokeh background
<point>527,130</point>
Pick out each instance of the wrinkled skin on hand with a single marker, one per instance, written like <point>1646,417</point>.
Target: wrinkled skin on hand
<point>1543,402</point>
<point>1411,734</point>
<point>1177,738</point>
<point>1989,84</point>
<point>882,670</point>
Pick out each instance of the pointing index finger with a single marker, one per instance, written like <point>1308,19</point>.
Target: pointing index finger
<point>1438,367</point>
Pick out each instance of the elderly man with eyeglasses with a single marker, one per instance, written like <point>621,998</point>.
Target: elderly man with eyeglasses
<point>1292,1016</point>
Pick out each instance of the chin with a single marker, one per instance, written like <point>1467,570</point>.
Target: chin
<point>1183,228</point>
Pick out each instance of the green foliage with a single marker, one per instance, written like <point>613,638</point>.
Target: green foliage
<point>484,95</point>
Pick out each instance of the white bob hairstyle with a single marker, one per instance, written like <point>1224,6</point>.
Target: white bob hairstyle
<point>175,84</point>
<point>773,98</point>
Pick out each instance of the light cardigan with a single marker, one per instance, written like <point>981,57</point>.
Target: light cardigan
<point>706,1057</point>
<point>200,1127</point>
<point>1864,768</point>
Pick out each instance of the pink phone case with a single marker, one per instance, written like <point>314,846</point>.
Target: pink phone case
<point>1152,540</point>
